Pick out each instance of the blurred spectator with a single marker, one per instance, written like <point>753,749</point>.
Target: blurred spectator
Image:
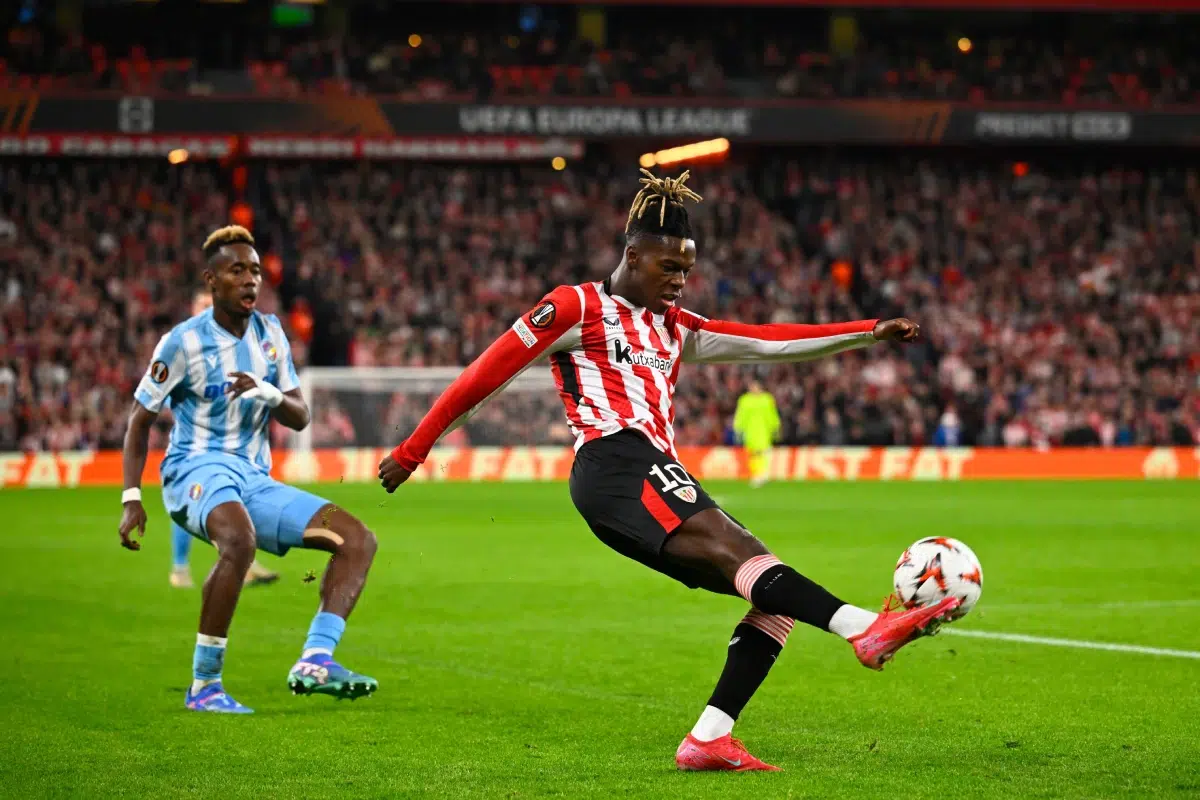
<point>481,51</point>
<point>1056,307</point>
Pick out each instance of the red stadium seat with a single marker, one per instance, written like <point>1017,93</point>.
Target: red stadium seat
<point>543,79</point>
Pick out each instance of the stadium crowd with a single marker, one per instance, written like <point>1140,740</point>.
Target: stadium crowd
<point>1058,303</point>
<point>1136,61</point>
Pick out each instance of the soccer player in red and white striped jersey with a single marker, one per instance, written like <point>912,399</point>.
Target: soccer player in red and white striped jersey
<point>615,348</point>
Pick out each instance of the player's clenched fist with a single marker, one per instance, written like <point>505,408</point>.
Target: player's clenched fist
<point>897,330</point>
<point>134,516</point>
<point>391,474</point>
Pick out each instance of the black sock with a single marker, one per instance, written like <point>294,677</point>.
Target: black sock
<point>751,655</point>
<point>783,591</point>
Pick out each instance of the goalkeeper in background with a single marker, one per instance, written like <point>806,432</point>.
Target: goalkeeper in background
<point>755,426</point>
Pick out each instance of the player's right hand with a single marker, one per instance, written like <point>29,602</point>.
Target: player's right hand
<point>391,474</point>
<point>897,330</point>
<point>134,516</point>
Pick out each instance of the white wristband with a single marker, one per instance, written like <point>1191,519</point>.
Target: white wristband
<point>129,495</point>
<point>265,392</point>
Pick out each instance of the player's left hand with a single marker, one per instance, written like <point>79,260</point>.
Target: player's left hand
<point>252,387</point>
<point>897,330</point>
<point>391,474</point>
<point>133,516</point>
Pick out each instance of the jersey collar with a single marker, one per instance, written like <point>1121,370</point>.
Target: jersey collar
<point>607,289</point>
<point>604,287</point>
<point>216,326</point>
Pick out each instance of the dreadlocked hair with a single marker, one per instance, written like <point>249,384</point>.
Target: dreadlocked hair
<point>230,234</point>
<point>672,216</point>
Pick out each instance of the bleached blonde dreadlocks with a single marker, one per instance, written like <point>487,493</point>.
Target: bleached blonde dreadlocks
<point>672,217</point>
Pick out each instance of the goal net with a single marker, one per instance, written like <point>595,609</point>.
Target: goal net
<point>377,407</point>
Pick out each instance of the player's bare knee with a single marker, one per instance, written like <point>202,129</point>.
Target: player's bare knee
<point>361,540</point>
<point>732,545</point>
<point>727,557</point>
<point>236,545</point>
<point>748,545</point>
<point>344,535</point>
<point>715,540</point>
<point>232,533</point>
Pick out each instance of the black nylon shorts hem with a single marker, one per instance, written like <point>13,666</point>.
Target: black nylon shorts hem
<point>633,497</point>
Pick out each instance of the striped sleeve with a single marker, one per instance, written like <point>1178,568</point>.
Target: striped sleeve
<point>708,341</point>
<point>286,380</point>
<point>543,330</point>
<point>168,367</point>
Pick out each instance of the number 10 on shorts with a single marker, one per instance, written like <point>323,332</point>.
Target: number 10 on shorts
<point>674,478</point>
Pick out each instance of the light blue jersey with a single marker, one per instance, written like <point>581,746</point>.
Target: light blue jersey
<point>191,366</point>
<point>220,450</point>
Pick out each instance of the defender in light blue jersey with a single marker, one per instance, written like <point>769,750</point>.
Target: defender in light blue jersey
<point>181,540</point>
<point>227,372</point>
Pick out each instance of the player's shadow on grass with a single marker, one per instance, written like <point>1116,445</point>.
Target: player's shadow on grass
<point>303,705</point>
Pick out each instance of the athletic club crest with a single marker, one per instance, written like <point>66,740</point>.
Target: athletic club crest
<point>195,491</point>
<point>268,348</point>
<point>686,493</point>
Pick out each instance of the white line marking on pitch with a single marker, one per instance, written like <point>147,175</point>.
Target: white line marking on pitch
<point>1083,645</point>
<point>1118,605</point>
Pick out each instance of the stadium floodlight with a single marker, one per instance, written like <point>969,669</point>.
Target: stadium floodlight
<point>687,152</point>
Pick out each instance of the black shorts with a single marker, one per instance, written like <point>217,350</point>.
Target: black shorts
<point>633,496</point>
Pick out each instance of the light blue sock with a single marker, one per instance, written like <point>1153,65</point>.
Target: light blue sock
<point>209,658</point>
<point>181,545</point>
<point>324,633</point>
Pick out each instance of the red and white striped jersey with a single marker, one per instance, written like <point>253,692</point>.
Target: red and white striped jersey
<point>616,364</point>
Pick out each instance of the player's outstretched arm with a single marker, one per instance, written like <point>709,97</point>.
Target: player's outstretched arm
<point>133,462</point>
<point>717,341</point>
<point>543,330</point>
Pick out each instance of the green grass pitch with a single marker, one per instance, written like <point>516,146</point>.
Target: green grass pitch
<point>518,657</point>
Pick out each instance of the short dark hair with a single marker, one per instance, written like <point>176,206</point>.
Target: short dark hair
<point>672,216</point>
<point>230,234</point>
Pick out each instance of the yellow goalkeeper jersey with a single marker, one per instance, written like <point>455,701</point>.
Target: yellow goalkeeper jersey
<point>756,421</point>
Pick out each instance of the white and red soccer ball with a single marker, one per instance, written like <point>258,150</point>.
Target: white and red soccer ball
<point>937,567</point>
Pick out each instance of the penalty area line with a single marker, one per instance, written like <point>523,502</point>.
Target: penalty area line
<point>1077,643</point>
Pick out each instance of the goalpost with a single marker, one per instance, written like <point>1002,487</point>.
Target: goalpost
<point>377,407</point>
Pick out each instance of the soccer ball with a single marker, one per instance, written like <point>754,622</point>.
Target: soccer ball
<point>935,568</point>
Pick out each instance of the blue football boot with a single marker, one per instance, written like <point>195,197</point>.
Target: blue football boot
<point>213,698</point>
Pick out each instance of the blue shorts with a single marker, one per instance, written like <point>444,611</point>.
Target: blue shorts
<point>280,513</point>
